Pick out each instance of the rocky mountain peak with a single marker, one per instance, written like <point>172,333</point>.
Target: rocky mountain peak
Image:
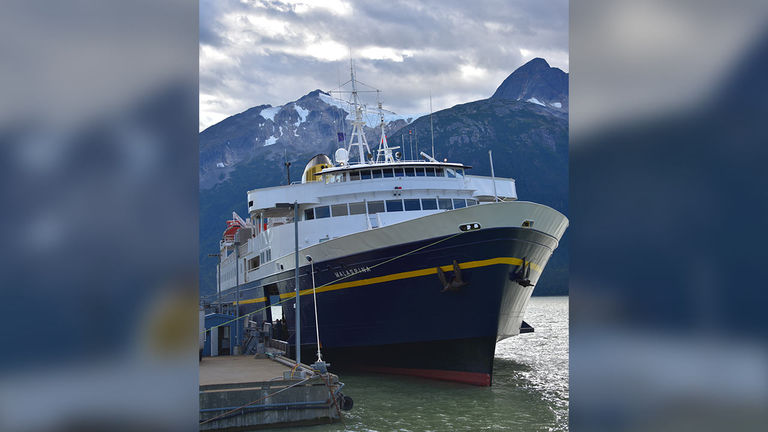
<point>536,82</point>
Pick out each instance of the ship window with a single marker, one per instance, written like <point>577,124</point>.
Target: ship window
<point>250,203</point>
<point>399,172</point>
<point>309,214</point>
<point>388,172</point>
<point>459,203</point>
<point>335,178</point>
<point>394,205</point>
<point>460,173</point>
<point>471,202</point>
<point>339,210</point>
<point>365,174</point>
<point>444,203</point>
<point>439,172</point>
<point>410,172</point>
<point>322,212</point>
<point>376,173</point>
<point>357,208</point>
<point>451,173</point>
<point>419,172</point>
<point>430,172</point>
<point>412,204</point>
<point>354,175</point>
<point>375,207</point>
<point>428,204</point>
<point>253,263</point>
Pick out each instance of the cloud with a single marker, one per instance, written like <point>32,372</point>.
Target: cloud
<point>255,52</point>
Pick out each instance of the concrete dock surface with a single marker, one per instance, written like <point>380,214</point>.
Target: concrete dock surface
<point>239,369</point>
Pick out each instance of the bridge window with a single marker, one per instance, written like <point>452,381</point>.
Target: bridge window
<point>419,172</point>
<point>444,203</point>
<point>357,208</point>
<point>409,172</point>
<point>375,207</point>
<point>459,203</point>
<point>428,204</point>
<point>365,174</point>
<point>451,173</point>
<point>430,172</point>
<point>471,202</point>
<point>339,210</point>
<point>394,205</point>
<point>439,172</point>
<point>376,174</point>
<point>322,212</point>
<point>388,172</point>
<point>335,178</point>
<point>354,175</point>
<point>399,172</point>
<point>412,204</point>
<point>309,214</point>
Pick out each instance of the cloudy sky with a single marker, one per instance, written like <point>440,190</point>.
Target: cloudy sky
<point>255,52</point>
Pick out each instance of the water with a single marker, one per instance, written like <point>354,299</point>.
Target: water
<point>529,392</point>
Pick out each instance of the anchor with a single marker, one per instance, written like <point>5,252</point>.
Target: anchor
<point>455,284</point>
<point>522,273</point>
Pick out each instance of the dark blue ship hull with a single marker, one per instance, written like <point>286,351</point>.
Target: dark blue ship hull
<point>386,309</point>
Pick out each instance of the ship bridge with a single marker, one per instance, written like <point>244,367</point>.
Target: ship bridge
<point>386,179</point>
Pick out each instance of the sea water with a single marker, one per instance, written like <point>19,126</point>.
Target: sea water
<point>529,391</point>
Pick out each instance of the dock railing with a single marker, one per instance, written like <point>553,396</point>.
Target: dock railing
<point>279,345</point>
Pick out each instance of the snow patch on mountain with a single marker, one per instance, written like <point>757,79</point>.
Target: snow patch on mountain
<point>536,101</point>
<point>557,105</point>
<point>269,113</point>
<point>302,113</point>
<point>271,140</point>
<point>332,101</point>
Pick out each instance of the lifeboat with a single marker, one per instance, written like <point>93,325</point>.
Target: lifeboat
<point>232,227</point>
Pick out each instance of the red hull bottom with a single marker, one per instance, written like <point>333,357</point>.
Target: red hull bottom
<point>473,378</point>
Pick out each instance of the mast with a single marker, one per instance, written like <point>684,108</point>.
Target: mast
<point>358,135</point>
<point>384,151</point>
<point>431,130</point>
<point>410,142</point>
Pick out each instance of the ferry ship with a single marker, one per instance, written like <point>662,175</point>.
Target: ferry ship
<point>417,267</point>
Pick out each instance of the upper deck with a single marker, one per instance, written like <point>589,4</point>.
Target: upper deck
<point>381,181</point>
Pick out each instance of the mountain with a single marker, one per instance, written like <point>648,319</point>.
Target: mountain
<point>538,83</point>
<point>246,151</point>
<point>309,124</point>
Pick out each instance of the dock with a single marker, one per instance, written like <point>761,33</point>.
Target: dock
<point>253,392</point>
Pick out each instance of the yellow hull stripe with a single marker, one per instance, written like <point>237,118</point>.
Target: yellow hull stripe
<point>400,276</point>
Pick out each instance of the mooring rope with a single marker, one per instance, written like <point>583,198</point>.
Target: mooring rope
<point>314,301</point>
